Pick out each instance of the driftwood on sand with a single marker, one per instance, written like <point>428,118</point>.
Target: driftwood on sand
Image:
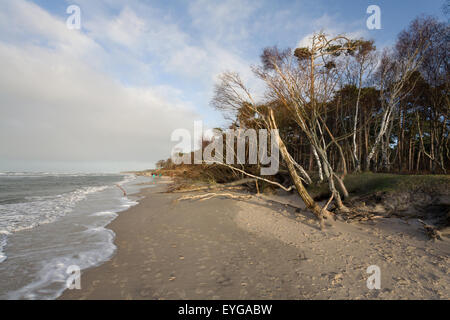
<point>231,185</point>
<point>207,196</point>
<point>235,196</point>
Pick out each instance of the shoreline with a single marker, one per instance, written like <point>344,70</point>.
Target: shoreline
<point>45,235</point>
<point>227,249</point>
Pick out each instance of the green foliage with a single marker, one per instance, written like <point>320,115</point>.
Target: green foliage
<point>370,183</point>
<point>302,53</point>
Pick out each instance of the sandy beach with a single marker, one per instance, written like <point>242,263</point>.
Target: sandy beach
<point>203,151</point>
<point>255,249</point>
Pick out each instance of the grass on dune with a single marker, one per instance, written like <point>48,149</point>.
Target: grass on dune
<point>368,183</point>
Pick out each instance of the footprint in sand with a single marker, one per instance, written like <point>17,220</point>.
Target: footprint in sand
<point>145,292</point>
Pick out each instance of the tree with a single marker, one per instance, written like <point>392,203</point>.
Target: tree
<point>304,82</point>
<point>363,64</point>
<point>231,95</point>
<point>337,101</point>
<point>394,71</point>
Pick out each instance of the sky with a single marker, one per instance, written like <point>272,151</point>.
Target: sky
<point>106,97</point>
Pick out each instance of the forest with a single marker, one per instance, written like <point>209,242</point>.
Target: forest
<point>341,106</point>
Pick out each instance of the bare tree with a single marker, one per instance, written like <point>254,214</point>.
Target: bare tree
<point>394,72</point>
<point>304,82</point>
<point>230,96</point>
<point>365,60</point>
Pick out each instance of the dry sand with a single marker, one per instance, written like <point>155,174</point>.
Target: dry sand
<point>227,249</point>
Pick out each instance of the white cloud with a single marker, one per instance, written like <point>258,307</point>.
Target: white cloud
<point>57,107</point>
<point>226,20</point>
<point>148,35</point>
<point>23,22</point>
<point>332,26</point>
<point>127,28</point>
<point>103,93</point>
<point>68,111</point>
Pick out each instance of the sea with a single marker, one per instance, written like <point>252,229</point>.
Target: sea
<point>52,225</point>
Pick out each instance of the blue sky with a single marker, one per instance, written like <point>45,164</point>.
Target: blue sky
<point>107,97</point>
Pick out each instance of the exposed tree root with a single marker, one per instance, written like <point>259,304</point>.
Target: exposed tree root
<point>324,212</point>
<point>431,231</point>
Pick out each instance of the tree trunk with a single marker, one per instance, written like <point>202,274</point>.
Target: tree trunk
<point>303,193</point>
<point>355,126</point>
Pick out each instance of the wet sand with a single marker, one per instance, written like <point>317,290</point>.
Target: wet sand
<point>227,249</point>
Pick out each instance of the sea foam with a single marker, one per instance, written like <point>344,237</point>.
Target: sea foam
<point>64,230</point>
